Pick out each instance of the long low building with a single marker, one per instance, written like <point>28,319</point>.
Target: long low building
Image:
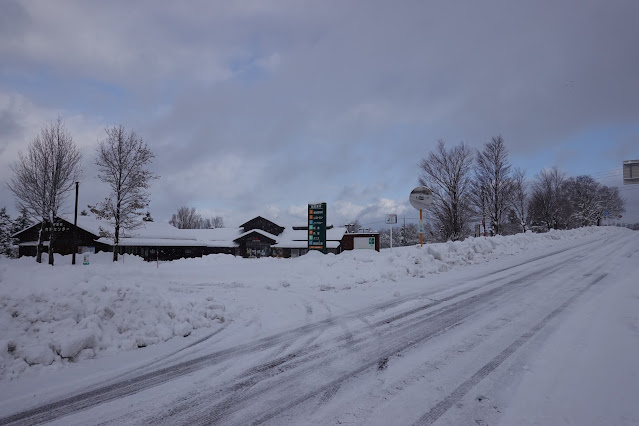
<point>259,237</point>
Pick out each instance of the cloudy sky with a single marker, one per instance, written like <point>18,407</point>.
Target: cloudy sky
<point>262,106</point>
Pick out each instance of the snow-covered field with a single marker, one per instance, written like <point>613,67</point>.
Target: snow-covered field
<point>527,329</point>
<point>55,317</point>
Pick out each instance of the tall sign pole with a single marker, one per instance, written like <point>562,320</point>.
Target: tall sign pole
<point>421,198</point>
<point>317,227</point>
<point>391,219</point>
<point>75,225</point>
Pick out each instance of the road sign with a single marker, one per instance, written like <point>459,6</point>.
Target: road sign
<point>391,219</point>
<point>421,197</point>
<point>317,227</point>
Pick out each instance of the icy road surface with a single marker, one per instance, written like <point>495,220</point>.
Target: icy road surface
<point>543,338</point>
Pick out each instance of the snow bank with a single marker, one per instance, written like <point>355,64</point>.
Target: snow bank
<point>52,316</point>
<point>64,314</point>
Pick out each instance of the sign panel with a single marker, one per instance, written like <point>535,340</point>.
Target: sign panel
<point>391,219</point>
<point>317,227</point>
<point>421,197</point>
<point>364,243</point>
<point>631,172</point>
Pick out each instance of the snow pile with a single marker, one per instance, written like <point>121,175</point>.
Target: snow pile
<point>56,315</point>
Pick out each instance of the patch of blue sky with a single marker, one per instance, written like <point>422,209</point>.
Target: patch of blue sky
<point>591,151</point>
<point>248,69</point>
<point>81,95</point>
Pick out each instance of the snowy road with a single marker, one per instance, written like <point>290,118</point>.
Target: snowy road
<point>512,345</point>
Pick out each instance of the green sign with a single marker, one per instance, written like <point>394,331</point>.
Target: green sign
<point>317,227</point>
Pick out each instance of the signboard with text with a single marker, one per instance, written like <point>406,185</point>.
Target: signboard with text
<point>317,227</point>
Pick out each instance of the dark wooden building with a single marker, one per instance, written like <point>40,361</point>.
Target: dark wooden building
<point>361,240</point>
<point>259,237</point>
<point>65,232</point>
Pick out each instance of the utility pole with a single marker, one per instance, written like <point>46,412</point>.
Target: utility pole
<point>75,225</point>
<point>404,232</point>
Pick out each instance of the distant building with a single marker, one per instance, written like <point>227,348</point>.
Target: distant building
<point>259,237</point>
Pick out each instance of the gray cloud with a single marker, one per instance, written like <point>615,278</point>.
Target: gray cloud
<point>273,103</point>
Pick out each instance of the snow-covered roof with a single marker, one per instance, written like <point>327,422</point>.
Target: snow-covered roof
<point>259,231</point>
<point>163,234</point>
<point>290,234</point>
<point>33,243</point>
<point>147,230</point>
<point>303,244</point>
<point>156,242</point>
<point>216,234</point>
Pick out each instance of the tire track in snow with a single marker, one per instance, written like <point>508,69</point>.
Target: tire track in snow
<point>412,332</point>
<point>444,405</point>
<point>122,388</point>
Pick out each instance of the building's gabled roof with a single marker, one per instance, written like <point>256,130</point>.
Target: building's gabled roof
<point>260,222</point>
<point>85,223</point>
<point>15,235</point>
<point>243,236</point>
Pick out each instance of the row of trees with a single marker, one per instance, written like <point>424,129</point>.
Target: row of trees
<point>473,185</point>
<point>45,175</point>
<point>188,218</point>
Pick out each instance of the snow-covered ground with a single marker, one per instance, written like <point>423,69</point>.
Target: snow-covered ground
<point>66,321</point>
<point>58,316</point>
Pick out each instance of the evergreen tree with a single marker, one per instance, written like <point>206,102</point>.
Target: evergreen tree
<point>5,233</point>
<point>20,223</point>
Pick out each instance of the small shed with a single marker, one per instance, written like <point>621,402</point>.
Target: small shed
<point>361,241</point>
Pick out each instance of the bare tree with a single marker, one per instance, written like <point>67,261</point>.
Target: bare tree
<point>187,218</point>
<point>217,222</point>
<point>44,177</point>
<point>519,199</point>
<point>610,202</point>
<point>353,227</point>
<point>447,174</point>
<point>548,203</point>
<point>492,186</point>
<point>122,163</point>
<point>586,201</point>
